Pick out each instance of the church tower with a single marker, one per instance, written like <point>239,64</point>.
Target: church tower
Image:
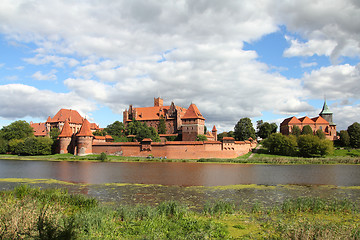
<point>327,114</point>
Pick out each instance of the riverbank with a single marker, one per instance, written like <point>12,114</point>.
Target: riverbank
<point>340,156</point>
<point>54,214</point>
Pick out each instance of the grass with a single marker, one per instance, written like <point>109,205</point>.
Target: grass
<point>340,156</point>
<point>32,213</point>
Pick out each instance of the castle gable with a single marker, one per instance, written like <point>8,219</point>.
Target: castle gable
<point>193,113</point>
<point>320,120</point>
<point>66,130</point>
<point>71,115</point>
<point>39,129</point>
<point>306,120</point>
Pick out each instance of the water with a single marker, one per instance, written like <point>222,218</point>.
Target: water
<point>192,184</point>
<point>182,174</point>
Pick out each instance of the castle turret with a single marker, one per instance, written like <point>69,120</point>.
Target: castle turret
<point>192,124</point>
<point>65,138</point>
<point>84,139</point>
<point>214,132</point>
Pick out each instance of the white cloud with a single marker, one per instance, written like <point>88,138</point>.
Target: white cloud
<point>111,51</point>
<point>336,82</point>
<point>19,101</point>
<point>308,64</point>
<point>44,77</point>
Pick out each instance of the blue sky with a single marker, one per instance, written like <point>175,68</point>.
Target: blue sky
<point>233,59</point>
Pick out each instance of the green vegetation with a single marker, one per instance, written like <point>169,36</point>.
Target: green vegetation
<point>17,130</point>
<point>31,213</point>
<point>244,130</point>
<point>354,134</point>
<point>201,137</point>
<point>306,145</point>
<point>265,129</point>
<point>162,125</point>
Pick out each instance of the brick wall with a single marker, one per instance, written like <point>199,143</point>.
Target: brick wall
<point>176,150</point>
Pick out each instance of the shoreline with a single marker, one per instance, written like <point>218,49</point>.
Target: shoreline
<point>245,159</point>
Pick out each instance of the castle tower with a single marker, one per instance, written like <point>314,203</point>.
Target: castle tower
<point>192,124</point>
<point>214,132</point>
<point>84,139</point>
<point>158,102</point>
<point>65,138</point>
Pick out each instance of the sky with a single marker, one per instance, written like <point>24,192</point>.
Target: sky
<point>264,59</point>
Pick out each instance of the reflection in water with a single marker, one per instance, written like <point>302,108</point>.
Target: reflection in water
<point>182,174</point>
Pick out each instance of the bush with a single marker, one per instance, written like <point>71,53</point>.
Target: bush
<point>31,146</point>
<point>102,157</point>
<point>201,137</point>
<point>312,146</point>
<point>280,144</point>
<point>307,130</point>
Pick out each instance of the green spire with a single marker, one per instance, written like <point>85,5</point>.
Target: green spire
<point>325,109</point>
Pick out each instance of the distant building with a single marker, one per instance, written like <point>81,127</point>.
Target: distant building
<point>324,122</point>
<point>185,122</point>
<point>74,119</point>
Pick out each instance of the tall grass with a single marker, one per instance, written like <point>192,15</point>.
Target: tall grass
<point>33,213</point>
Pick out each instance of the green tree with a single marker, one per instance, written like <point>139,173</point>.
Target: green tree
<point>296,131</point>
<point>44,146</point>
<point>100,133</point>
<point>201,137</point>
<point>280,144</point>
<point>312,146</point>
<point>16,146</point>
<point>54,133</point>
<point>244,130</point>
<point>3,146</point>
<point>266,129</point>
<point>17,130</point>
<point>354,134</point>
<point>320,134</point>
<point>141,131</point>
<point>344,138</point>
<point>116,129</point>
<point>205,130</point>
<point>162,126</point>
<point>307,130</point>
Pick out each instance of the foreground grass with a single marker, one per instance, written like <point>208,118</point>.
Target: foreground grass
<point>31,213</point>
<point>340,156</point>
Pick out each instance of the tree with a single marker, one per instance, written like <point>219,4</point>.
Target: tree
<point>280,144</point>
<point>141,131</point>
<point>344,138</point>
<point>100,133</point>
<point>205,130</point>
<point>3,146</point>
<point>17,130</point>
<point>244,130</point>
<point>201,137</point>
<point>312,146</point>
<point>266,129</point>
<point>54,133</point>
<point>296,131</point>
<point>116,129</point>
<point>307,130</point>
<point>162,125</point>
<point>320,134</point>
<point>354,134</point>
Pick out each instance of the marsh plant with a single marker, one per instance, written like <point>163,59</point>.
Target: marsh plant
<point>33,213</point>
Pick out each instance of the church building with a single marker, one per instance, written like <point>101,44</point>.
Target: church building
<point>323,122</point>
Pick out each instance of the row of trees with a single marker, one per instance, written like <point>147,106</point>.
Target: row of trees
<point>244,129</point>
<point>306,145</point>
<point>351,136</point>
<point>18,138</point>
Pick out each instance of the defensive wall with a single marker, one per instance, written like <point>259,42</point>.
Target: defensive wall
<point>175,149</point>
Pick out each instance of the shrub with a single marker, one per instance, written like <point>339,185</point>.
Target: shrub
<point>312,146</point>
<point>280,144</point>
<point>102,157</point>
<point>201,137</point>
<point>307,130</point>
<point>320,134</point>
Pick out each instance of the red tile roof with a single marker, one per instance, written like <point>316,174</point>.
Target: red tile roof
<point>154,113</point>
<point>305,120</point>
<point>85,129</point>
<point>39,129</point>
<point>94,126</point>
<point>214,129</point>
<point>72,115</point>
<point>290,120</point>
<point>193,113</point>
<point>66,130</point>
<point>320,119</point>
